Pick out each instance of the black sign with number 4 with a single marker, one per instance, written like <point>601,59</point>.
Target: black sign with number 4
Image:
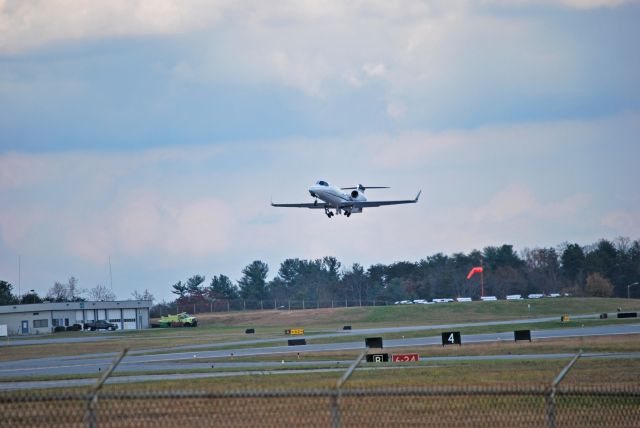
<point>451,338</point>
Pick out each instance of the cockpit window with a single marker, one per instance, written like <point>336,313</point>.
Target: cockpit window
<point>322,183</point>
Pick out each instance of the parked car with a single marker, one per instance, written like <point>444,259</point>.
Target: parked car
<point>100,325</point>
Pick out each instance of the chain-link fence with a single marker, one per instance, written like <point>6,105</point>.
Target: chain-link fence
<point>225,305</point>
<point>466,406</point>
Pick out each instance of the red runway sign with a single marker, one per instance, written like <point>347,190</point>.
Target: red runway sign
<point>405,358</point>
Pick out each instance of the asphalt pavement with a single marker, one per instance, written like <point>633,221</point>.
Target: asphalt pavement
<point>149,360</point>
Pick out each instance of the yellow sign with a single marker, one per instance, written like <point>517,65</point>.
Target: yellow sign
<point>565,318</point>
<point>294,331</point>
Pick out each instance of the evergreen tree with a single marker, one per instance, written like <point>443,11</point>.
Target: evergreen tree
<point>221,287</point>
<point>253,284</point>
<point>6,294</point>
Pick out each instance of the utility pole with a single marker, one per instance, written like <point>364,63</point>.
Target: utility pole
<point>110,274</point>
<point>19,275</point>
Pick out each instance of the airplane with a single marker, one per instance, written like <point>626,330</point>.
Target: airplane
<point>334,199</point>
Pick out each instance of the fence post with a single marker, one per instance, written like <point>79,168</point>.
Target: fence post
<point>551,398</point>
<point>92,398</point>
<point>228,306</point>
<point>244,305</point>
<point>302,303</point>
<point>335,397</point>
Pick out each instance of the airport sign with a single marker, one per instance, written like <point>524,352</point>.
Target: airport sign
<point>405,358</point>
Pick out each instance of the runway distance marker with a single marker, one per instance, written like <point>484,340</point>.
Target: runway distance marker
<point>451,338</point>
<point>294,331</point>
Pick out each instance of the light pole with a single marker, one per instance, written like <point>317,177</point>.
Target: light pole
<point>629,288</point>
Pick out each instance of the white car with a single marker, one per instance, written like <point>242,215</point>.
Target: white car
<point>514,297</point>
<point>442,300</point>
<point>489,298</point>
<point>463,299</point>
<point>554,295</point>
<point>535,296</point>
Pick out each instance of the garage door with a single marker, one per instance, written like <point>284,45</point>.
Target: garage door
<point>90,314</point>
<point>102,314</point>
<point>129,318</point>
<point>114,317</point>
<point>79,317</point>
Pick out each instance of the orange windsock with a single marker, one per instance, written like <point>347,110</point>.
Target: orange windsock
<point>477,269</point>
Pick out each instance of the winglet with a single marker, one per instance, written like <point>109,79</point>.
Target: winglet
<point>418,195</point>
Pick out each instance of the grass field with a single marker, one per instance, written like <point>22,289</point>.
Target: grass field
<point>217,328</point>
<point>460,409</point>
<point>418,314</point>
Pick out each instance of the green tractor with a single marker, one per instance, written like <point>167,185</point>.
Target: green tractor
<point>179,320</point>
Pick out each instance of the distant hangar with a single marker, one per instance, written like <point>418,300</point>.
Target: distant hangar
<point>42,318</point>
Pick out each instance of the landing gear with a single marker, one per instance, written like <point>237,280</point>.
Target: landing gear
<point>328,213</point>
<point>347,213</point>
<point>315,203</point>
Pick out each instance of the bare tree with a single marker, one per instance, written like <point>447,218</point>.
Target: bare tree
<point>146,295</point>
<point>101,293</point>
<point>73,291</point>
<point>58,292</point>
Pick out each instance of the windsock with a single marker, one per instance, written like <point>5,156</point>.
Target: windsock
<point>477,269</point>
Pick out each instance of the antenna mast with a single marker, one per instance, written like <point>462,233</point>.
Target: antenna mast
<point>110,274</point>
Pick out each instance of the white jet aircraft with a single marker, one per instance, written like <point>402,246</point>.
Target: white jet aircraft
<point>351,203</point>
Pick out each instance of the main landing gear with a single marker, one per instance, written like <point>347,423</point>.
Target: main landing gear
<point>330,214</point>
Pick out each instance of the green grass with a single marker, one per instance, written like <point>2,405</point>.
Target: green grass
<point>498,310</point>
<point>229,327</point>
<point>548,325</point>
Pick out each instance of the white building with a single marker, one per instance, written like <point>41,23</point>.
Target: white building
<point>40,318</point>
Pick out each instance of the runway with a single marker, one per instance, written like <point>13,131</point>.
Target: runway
<point>180,360</point>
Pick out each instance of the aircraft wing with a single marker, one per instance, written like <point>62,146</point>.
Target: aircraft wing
<point>369,204</point>
<point>303,205</point>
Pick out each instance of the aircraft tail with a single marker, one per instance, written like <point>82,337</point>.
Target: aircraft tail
<point>361,188</point>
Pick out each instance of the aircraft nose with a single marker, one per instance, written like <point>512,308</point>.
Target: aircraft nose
<point>311,192</point>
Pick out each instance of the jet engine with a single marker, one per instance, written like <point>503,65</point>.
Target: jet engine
<point>354,194</point>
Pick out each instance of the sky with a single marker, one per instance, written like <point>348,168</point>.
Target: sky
<point>151,135</point>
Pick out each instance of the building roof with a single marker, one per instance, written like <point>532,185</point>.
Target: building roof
<point>68,306</point>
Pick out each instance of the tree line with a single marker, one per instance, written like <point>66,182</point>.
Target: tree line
<point>68,291</point>
<point>604,269</point>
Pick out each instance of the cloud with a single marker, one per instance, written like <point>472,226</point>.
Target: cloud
<point>623,222</point>
<point>507,203</point>
<point>163,214</point>
<point>92,205</point>
<point>33,23</point>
